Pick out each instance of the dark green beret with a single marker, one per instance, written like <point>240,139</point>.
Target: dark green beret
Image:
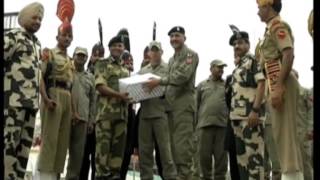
<point>177,29</point>
<point>116,39</point>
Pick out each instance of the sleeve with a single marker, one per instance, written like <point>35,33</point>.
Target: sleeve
<point>92,98</point>
<point>99,73</point>
<point>9,44</point>
<point>282,37</point>
<point>258,74</point>
<point>184,71</point>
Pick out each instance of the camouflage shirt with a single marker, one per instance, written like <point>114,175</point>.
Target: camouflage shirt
<point>244,84</point>
<point>108,72</point>
<point>21,69</point>
<point>305,105</point>
<point>180,81</point>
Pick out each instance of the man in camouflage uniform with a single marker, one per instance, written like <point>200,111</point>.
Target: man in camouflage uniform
<point>56,110</point>
<point>21,54</point>
<point>305,128</point>
<point>212,114</point>
<point>83,97</point>
<point>180,93</point>
<point>276,56</point>
<point>153,124</point>
<point>247,111</point>
<point>111,120</point>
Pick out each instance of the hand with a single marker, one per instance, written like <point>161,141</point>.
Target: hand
<point>75,118</point>
<point>151,84</point>
<point>36,141</point>
<point>309,135</point>
<point>124,97</point>
<point>90,128</point>
<point>50,104</point>
<point>253,119</point>
<point>93,59</point>
<point>277,97</point>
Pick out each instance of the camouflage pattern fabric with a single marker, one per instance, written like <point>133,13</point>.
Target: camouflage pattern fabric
<point>249,149</point>
<point>21,98</point>
<point>110,144</point>
<point>111,120</point>
<point>18,134</point>
<point>244,84</point>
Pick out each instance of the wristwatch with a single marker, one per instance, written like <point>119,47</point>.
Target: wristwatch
<point>256,110</point>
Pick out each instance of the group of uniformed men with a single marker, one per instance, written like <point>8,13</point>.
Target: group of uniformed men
<point>259,112</point>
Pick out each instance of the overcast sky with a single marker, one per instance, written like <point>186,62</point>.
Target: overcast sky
<point>205,21</point>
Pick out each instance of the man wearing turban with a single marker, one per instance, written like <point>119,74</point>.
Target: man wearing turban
<point>21,90</point>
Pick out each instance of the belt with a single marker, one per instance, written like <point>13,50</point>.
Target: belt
<point>60,84</point>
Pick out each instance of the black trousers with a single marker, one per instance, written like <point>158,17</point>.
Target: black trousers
<point>89,157</point>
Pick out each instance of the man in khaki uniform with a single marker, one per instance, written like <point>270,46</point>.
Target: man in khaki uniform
<point>180,94</point>
<point>83,97</point>
<point>212,117</point>
<point>305,128</point>
<point>276,56</point>
<point>21,55</point>
<point>56,109</point>
<point>112,113</point>
<point>153,124</point>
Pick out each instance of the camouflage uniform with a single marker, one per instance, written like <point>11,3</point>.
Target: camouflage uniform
<point>21,99</point>
<point>212,117</point>
<point>249,141</point>
<point>153,126</point>
<point>83,94</point>
<point>56,124</point>
<point>180,93</point>
<point>277,37</point>
<point>111,120</point>
<point>305,126</point>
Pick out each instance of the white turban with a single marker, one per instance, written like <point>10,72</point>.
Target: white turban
<point>26,14</point>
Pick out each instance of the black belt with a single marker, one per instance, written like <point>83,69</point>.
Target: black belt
<point>60,84</point>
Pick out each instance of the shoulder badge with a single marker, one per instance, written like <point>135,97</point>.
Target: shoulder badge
<point>189,59</point>
<point>281,34</point>
<point>45,55</point>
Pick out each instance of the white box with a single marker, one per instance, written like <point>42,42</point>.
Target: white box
<point>133,85</point>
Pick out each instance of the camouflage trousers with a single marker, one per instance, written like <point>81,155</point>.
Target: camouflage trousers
<point>18,133</point>
<point>110,145</point>
<point>181,132</point>
<point>306,153</point>
<point>249,149</point>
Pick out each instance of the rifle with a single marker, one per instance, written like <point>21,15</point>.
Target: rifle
<point>154,31</point>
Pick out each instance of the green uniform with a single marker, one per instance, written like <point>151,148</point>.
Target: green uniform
<point>249,141</point>
<point>56,124</point>
<point>180,93</point>
<point>277,37</point>
<point>111,120</point>
<point>212,117</point>
<point>21,99</point>
<point>305,126</point>
<point>83,96</point>
<point>153,126</point>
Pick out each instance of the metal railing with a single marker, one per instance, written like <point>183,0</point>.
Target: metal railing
<point>10,20</point>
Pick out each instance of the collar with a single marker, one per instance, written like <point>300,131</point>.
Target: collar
<point>244,58</point>
<point>211,79</point>
<point>182,51</point>
<point>273,20</point>
<point>29,35</point>
<point>113,60</point>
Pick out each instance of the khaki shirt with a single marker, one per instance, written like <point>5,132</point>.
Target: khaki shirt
<point>180,81</point>
<point>277,37</point>
<point>154,107</point>
<point>83,95</point>
<point>62,66</point>
<point>244,84</point>
<point>108,72</point>
<point>21,55</point>
<point>211,102</point>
